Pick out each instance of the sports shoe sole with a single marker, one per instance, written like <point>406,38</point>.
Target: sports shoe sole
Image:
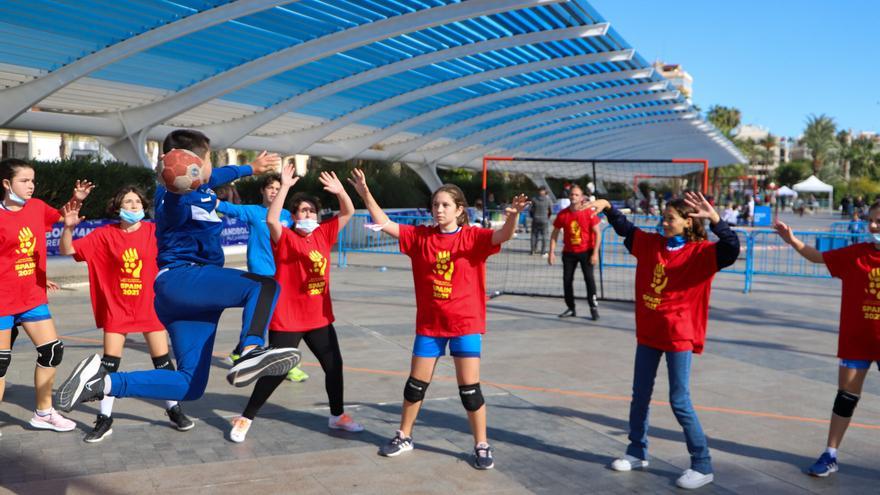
<point>49,426</point>
<point>98,439</point>
<point>275,362</point>
<point>182,428</point>
<point>70,393</point>
<point>483,468</point>
<point>825,474</point>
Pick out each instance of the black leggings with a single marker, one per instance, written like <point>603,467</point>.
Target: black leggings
<point>324,345</point>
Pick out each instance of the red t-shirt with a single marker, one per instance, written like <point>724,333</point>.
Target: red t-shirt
<point>672,292</point>
<point>302,269</point>
<point>122,269</point>
<point>858,266</point>
<point>23,256</point>
<point>449,274</point>
<point>577,229</point>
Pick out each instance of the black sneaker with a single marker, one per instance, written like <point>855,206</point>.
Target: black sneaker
<point>259,362</point>
<point>483,456</point>
<point>397,445</point>
<point>102,428</point>
<point>568,313</point>
<point>594,313</point>
<point>85,384</point>
<point>179,419</point>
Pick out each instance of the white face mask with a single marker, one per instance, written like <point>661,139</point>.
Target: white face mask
<point>876,238</point>
<point>307,225</point>
<point>15,198</point>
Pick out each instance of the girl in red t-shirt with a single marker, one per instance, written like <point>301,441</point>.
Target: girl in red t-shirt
<point>674,274</point>
<point>24,221</point>
<point>449,274</point>
<point>304,311</point>
<point>122,268</point>
<point>858,345</point>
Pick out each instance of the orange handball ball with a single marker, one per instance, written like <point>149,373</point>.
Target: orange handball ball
<point>181,171</point>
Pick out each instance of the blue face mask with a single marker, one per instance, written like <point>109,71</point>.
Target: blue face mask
<point>131,216</point>
<point>15,198</point>
<point>876,237</point>
<point>307,225</point>
<point>675,242</point>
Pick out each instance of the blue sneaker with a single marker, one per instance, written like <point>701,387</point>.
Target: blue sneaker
<point>824,466</point>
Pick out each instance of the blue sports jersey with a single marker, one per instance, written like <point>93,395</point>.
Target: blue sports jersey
<point>259,252</point>
<point>187,225</point>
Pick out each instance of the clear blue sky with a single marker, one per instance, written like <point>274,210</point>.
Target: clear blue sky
<point>776,60</point>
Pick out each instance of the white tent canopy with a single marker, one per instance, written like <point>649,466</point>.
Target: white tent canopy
<point>813,185</point>
<point>786,191</point>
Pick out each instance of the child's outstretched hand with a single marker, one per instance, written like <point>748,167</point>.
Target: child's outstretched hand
<point>519,203</point>
<point>288,175</point>
<point>70,214</point>
<point>82,189</point>
<point>331,183</point>
<point>359,181</point>
<point>599,205</point>
<point>701,204</point>
<point>266,162</point>
<point>784,232</point>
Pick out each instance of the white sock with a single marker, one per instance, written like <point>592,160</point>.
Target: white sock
<point>832,452</point>
<point>107,405</point>
<point>107,384</point>
<point>169,404</point>
<point>44,412</point>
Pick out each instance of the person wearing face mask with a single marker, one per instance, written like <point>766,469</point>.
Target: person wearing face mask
<point>304,311</point>
<point>259,251</point>
<point>674,272</point>
<point>24,221</point>
<point>121,258</point>
<point>858,344</point>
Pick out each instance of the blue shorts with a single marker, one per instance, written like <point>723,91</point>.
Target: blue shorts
<point>464,346</point>
<point>39,313</point>
<point>857,364</point>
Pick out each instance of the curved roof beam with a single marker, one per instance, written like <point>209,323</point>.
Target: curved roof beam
<point>146,116</point>
<point>357,145</point>
<point>19,99</point>
<point>503,129</point>
<point>303,139</point>
<point>645,139</point>
<point>607,132</point>
<point>652,144</point>
<point>467,157</point>
<point>228,133</point>
<point>596,134</point>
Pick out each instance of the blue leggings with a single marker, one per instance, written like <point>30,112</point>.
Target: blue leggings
<point>189,302</point>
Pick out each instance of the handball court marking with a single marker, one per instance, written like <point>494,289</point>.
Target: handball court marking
<point>559,391</point>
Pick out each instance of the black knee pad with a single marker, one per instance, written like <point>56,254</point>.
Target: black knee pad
<point>49,354</point>
<point>111,363</point>
<point>471,396</point>
<point>414,390</point>
<point>163,363</point>
<point>845,404</point>
<point>5,359</point>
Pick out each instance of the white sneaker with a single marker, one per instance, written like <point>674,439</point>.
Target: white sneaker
<point>691,480</point>
<point>344,422</point>
<point>240,427</point>
<point>628,463</point>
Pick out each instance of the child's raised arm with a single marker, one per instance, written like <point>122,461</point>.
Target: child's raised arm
<point>808,252</point>
<point>505,233</point>
<point>273,216</point>
<point>359,181</point>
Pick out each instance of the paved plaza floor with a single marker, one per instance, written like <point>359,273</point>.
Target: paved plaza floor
<point>557,392</point>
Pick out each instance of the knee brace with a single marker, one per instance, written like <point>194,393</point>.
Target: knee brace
<point>845,404</point>
<point>111,363</point>
<point>163,363</point>
<point>414,390</point>
<point>471,397</point>
<point>5,359</point>
<point>49,354</point>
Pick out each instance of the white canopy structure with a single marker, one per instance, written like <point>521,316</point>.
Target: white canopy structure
<point>786,191</point>
<point>813,185</point>
<point>429,84</point>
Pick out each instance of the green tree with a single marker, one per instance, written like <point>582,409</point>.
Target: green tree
<point>725,119</point>
<point>844,142</point>
<point>863,159</point>
<point>819,137</point>
<point>768,142</point>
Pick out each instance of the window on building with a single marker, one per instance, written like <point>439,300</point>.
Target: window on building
<point>12,149</point>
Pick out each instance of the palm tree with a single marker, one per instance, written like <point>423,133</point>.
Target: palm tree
<point>863,159</point>
<point>768,142</point>
<point>819,138</point>
<point>725,119</point>
<point>844,142</point>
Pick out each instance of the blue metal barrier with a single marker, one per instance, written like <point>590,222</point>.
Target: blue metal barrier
<point>356,238</point>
